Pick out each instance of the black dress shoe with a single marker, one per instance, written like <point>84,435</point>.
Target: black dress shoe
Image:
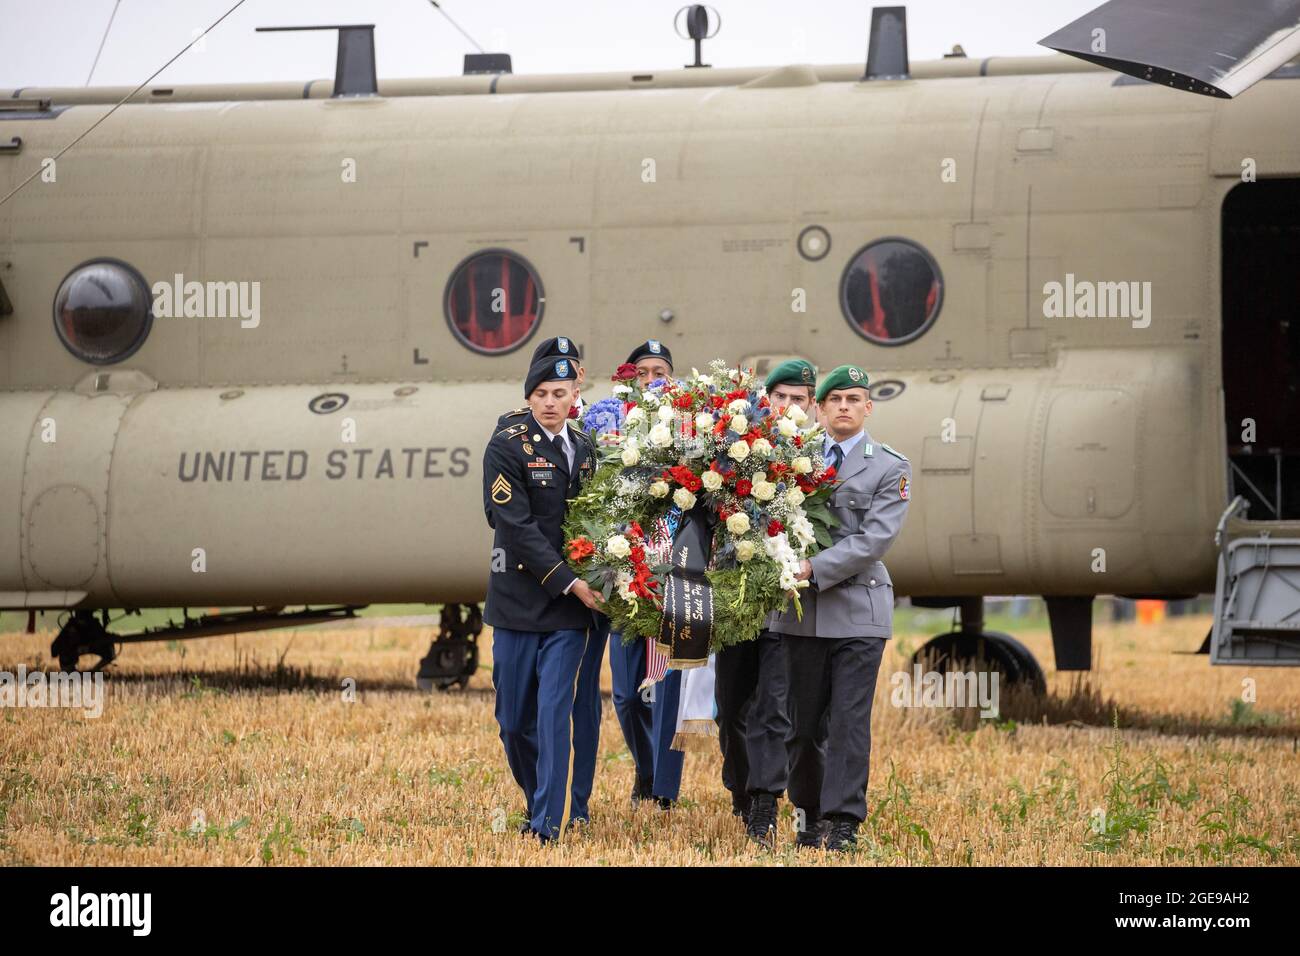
<point>761,826</point>
<point>813,833</point>
<point>841,833</point>
<point>642,789</point>
<point>665,803</point>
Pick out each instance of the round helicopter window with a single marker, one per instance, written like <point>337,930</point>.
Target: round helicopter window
<point>494,301</point>
<point>102,311</point>
<point>891,291</point>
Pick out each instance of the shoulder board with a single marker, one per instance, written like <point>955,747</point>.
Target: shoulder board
<point>513,430</point>
<point>505,417</point>
<point>896,454</point>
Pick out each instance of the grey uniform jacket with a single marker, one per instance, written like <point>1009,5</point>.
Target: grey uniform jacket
<point>851,594</point>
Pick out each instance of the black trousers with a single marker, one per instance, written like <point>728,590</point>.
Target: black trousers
<point>750,691</point>
<point>831,685</point>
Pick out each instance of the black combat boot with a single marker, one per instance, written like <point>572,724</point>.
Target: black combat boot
<point>740,803</point>
<point>813,833</point>
<point>841,833</point>
<point>761,826</point>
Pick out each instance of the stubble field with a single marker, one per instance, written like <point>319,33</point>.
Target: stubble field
<point>243,751</point>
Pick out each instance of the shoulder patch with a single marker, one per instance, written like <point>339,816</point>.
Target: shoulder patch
<point>896,454</point>
<point>513,430</point>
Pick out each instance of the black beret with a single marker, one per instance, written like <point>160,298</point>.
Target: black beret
<point>560,346</point>
<point>550,370</point>
<point>651,349</point>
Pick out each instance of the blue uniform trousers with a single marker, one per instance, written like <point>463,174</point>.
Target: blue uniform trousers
<point>627,670</point>
<point>536,676</point>
<point>586,720</point>
<point>663,715</point>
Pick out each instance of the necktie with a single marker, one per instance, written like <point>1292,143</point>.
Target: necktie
<point>836,457</point>
<point>562,447</point>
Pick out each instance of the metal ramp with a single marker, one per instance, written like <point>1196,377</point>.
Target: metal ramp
<point>1257,591</point>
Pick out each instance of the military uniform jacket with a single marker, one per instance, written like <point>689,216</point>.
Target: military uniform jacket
<point>527,487</point>
<point>851,594</point>
<point>505,421</point>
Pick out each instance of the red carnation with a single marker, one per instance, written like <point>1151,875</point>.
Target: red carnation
<point>743,486</point>
<point>580,549</point>
<point>635,529</point>
<point>774,528</point>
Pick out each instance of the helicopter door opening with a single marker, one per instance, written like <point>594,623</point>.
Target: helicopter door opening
<point>1261,346</point>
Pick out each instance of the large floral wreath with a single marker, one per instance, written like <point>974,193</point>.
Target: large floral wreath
<point>710,445</point>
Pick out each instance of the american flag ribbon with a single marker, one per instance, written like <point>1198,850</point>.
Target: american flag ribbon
<point>659,546</point>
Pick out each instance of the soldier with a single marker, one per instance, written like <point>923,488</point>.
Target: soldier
<point>648,725</point>
<point>586,717</point>
<point>749,687</point>
<point>540,611</point>
<point>834,652</point>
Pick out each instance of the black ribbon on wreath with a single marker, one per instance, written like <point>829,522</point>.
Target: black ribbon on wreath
<point>687,623</point>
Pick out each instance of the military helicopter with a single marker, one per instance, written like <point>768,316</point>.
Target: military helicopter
<point>254,337</point>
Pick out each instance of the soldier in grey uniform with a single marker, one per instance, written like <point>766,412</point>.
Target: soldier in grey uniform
<point>833,654</point>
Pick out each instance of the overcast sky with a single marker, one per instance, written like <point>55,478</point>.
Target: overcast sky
<point>53,42</point>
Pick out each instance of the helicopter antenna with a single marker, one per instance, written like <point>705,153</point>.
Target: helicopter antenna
<point>55,157</point>
<point>439,8</point>
<point>101,41</point>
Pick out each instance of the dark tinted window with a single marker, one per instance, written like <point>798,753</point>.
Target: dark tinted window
<point>103,311</point>
<point>891,291</point>
<point>494,301</point>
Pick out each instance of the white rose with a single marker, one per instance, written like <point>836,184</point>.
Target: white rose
<point>659,489</point>
<point>787,427</point>
<point>795,414</point>
<point>703,421</point>
<point>738,406</point>
<point>794,497</point>
<point>762,447</point>
<point>738,424</point>
<point>661,436</point>
<point>631,455</point>
<point>618,546</point>
<point>665,413</point>
<point>712,480</point>
<point>739,450</point>
<point>634,416</point>
<point>801,465</point>
<point>744,550</point>
<point>763,490</point>
<point>738,523</point>
<point>621,390</point>
<point>683,499</point>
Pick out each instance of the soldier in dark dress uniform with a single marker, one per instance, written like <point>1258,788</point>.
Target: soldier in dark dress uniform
<point>540,611</point>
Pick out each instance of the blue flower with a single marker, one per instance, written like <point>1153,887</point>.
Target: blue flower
<point>603,416</point>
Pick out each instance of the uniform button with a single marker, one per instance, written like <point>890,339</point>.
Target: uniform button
<point>873,582</point>
<point>521,567</point>
<point>543,482</point>
<point>852,503</point>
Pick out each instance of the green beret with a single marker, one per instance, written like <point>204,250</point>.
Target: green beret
<point>846,376</point>
<point>793,372</point>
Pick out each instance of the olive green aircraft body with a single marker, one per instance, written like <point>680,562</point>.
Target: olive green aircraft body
<point>717,213</point>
